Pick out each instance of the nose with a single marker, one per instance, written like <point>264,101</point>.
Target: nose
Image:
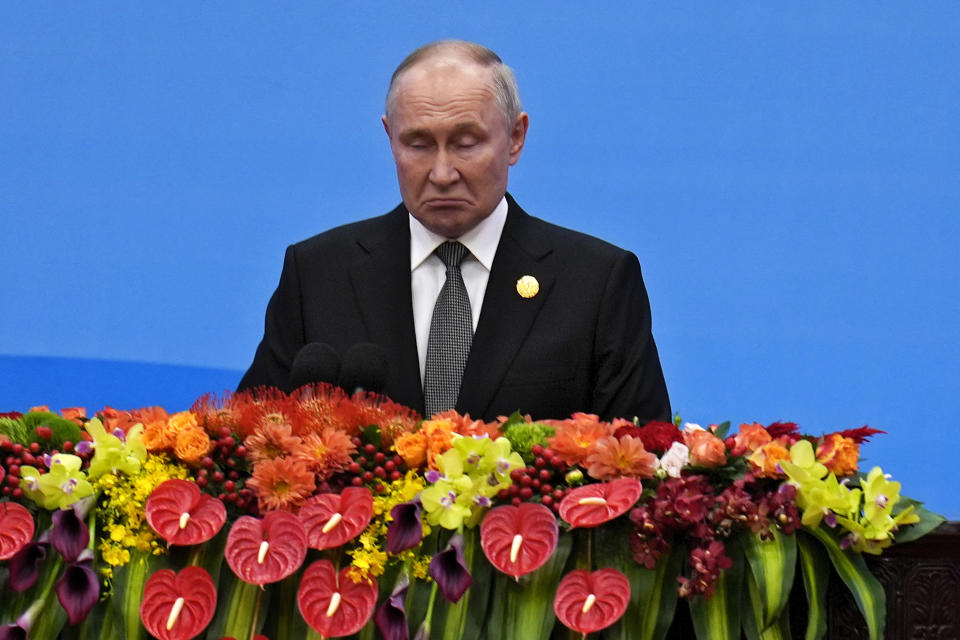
<point>443,173</point>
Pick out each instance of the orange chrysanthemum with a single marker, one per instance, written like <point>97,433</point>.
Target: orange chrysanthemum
<point>766,459</point>
<point>327,452</point>
<point>192,445</point>
<point>271,441</point>
<point>839,455</point>
<point>281,484</point>
<point>76,414</point>
<point>573,439</point>
<point>611,458</point>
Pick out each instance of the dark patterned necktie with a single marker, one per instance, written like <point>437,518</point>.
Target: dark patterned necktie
<point>451,334</point>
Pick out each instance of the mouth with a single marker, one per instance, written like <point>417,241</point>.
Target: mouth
<point>445,203</point>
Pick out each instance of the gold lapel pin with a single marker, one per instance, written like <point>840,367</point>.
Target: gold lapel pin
<point>527,287</point>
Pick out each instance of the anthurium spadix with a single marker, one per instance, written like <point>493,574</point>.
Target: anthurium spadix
<point>178,606</point>
<point>519,539</point>
<point>593,504</point>
<point>267,550</point>
<point>182,514</point>
<point>335,604</point>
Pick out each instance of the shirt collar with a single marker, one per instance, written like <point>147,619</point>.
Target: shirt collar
<point>481,241</point>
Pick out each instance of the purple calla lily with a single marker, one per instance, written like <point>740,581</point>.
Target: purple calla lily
<point>406,530</point>
<point>449,569</point>
<point>70,534</point>
<point>391,616</point>
<point>78,589</point>
<point>25,566</point>
<point>12,632</point>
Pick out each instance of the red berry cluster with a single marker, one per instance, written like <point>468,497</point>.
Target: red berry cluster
<point>221,473</point>
<point>14,455</point>
<point>370,467</point>
<point>542,481</point>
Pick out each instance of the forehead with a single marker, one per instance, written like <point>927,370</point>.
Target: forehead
<point>443,89</point>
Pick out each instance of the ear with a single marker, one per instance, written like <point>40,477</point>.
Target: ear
<point>386,125</point>
<point>518,135</point>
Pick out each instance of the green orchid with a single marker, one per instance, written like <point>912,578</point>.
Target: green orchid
<point>803,467</point>
<point>825,498</point>
<point>446,502</point>
<point>111,454</point>
<point>60,487</point>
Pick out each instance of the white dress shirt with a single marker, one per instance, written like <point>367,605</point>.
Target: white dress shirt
<point>428,273</point>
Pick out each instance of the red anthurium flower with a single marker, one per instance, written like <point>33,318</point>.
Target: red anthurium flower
<point>182,514</point>
<point>593,504</point>
<point>178,606</point>
<point>16,528</point>
<point>263,551</point>
<point>587,602</point>
<point>334,605</point>
<point>333,519</point>
<point>518,540</point>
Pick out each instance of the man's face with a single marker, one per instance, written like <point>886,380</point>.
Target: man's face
<point>451,144</point>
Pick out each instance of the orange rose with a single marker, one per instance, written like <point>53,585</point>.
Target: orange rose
<point>181,421</point>
<point>706,449</point>
<point>192,445</point>
<point>749,438</point>
<point>838,454</point>
<point>765,459</point>
<point>157,438</point>
<point>412,447</point>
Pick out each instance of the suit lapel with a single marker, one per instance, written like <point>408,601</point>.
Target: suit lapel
<point>381,284</point>
<point>506,317</point>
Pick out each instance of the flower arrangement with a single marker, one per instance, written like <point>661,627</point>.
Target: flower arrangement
<point>319,514</point>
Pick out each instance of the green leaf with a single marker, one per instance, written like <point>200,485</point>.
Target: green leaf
<point>928,521</point>
<point>524,608</point>
<point>816,580</point>
<point>465,618</point>
<point>753,612</point>
<point>718,617</point>
<point>722,429</point>
<point>653,597</point>
<point>772,565</point>
<point>239,606</point>
<point>371,435</point>
<point>866,589</point>
<point>128,583</point>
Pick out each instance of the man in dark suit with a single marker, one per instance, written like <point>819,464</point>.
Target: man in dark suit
<point>560,321</point>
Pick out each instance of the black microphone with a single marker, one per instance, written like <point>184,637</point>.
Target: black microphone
<point>364,369</point>
<point>315,362</point>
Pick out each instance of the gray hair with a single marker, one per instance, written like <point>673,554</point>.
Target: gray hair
<point>504,82</point>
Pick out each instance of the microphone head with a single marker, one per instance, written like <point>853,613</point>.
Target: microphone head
<point>315,362</point>
<point>364,368</point>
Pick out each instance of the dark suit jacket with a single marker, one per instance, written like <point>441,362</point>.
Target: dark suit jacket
<point>583,343</point>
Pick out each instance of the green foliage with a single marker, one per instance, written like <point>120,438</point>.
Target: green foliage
<point>15,430</point>
<point>63,430</point>
<point>524,435</point>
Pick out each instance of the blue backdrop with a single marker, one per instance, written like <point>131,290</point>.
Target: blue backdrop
<point>789,177</point>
